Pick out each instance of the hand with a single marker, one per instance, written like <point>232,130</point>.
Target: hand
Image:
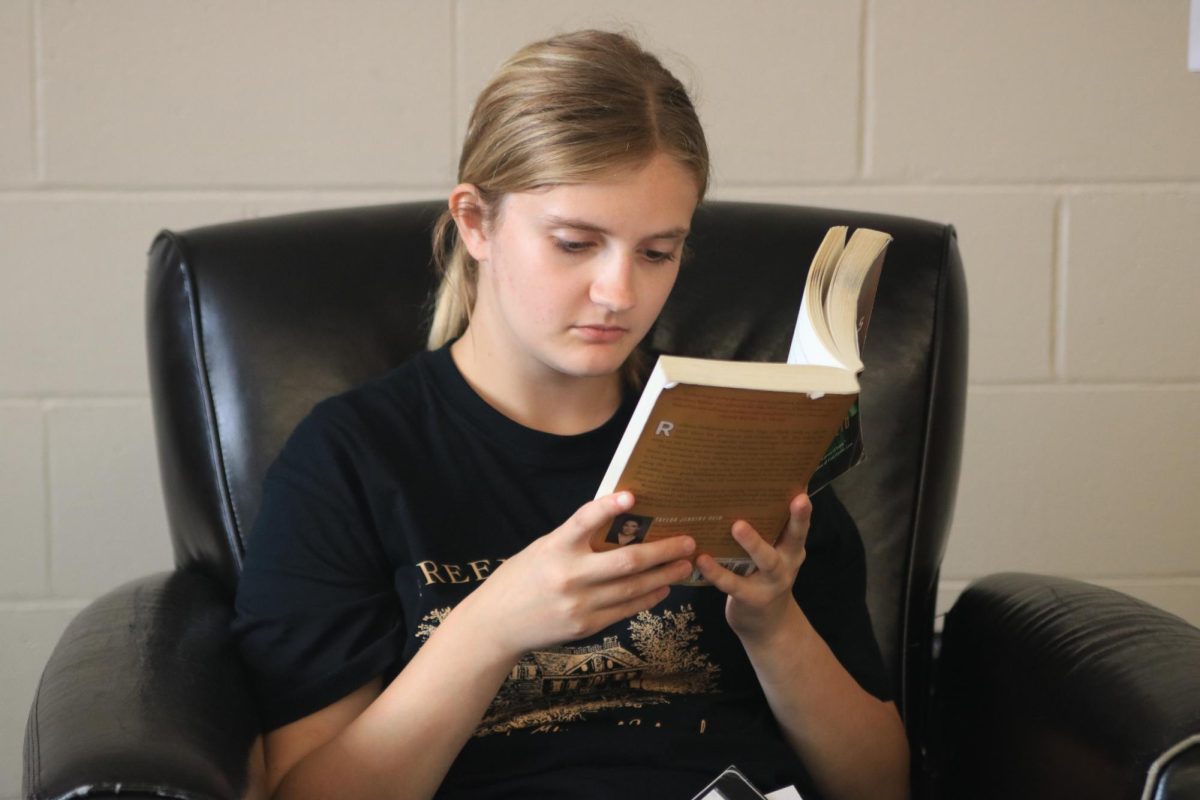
<point>557,589</point>
<point>759,602</point>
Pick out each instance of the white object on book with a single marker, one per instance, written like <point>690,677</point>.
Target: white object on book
<point>786,793</point>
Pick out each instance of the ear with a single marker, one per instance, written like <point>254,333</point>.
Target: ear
<point>466,206</point>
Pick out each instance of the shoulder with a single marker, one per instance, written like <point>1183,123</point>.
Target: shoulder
<point>320,496</point>
<point>342,434</point>
<point>394,393</point>
<point>383,402</point>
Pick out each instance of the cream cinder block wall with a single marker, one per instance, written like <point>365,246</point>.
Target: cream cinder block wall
<point>1058,137</point>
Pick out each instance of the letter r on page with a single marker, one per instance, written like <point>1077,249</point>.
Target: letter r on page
<point>664,428</point>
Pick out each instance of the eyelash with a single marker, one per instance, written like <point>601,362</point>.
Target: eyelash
<point>573,247</point>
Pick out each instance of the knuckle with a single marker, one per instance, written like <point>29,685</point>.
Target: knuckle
<point>582,520</point>
<point>627,562</point>
<point>576,522</point>
<point>578,627</point>
<point>571,612</point>
<point>631,590</point>
<point>572,609</point>
<point>561,582</point>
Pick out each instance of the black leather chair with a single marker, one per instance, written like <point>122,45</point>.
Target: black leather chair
<point>1044,687</point>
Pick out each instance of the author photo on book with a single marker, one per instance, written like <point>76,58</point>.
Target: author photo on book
<point>420,609</point>
<point>628,529</point>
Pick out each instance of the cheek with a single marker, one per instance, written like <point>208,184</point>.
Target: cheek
<point>531,297</point>
<point>660,286</point>
<point>547,301</point>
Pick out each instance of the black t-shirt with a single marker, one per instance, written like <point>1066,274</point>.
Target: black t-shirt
<point>391,502</point>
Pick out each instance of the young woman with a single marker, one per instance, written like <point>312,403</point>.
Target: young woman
<point>419,605</point>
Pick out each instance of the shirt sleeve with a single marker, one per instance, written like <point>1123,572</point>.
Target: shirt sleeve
<point>831,589</point>
<point>316,616</point>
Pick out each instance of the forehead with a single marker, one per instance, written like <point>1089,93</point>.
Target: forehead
<point>659,195</point>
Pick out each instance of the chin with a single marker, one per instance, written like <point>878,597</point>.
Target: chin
<point>592,370</point>
<point>593,364</point>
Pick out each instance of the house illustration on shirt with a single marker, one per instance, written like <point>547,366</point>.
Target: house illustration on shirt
<point>551,687</point>
<point>574,669</point>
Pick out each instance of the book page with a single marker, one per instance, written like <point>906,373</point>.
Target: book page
<point>852,296</point>
<point>811,343</point>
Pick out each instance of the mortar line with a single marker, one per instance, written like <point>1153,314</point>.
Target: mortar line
<point>1139,385</point>
<point>1182,579</point>
<point>57,399</point>
<point>866,90</point>
<point>252,192</point>
<point>1060,288</point>
<point>36,86</point>
<point>47,505</point>
<point>44,603</point>
<point>454,87</point>
<point>94,400</point>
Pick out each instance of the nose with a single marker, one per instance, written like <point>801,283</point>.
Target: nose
<point>613,285</point>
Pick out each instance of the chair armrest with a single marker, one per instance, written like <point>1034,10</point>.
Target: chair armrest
<point>144,693</point>
<point>1050,687</point>
<point>1180,778</point>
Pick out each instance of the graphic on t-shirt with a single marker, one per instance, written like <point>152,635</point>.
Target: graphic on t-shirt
<point>564,684</point>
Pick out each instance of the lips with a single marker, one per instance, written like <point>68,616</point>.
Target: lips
<point>600,333</point>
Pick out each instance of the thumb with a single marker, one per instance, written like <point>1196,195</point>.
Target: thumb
<point>598,513</point>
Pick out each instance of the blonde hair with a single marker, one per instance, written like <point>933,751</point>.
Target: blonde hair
<point>568,109</point>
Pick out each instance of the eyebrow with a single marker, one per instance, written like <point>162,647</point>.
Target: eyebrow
<point>582,225</point>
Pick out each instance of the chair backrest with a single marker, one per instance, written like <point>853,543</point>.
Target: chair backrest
<point>250,323</point>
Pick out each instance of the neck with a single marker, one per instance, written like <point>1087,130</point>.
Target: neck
<point>536,398</point>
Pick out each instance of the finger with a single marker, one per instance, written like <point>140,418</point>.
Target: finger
<point>596,514</point>
<point>764,556</point>
<point>795,533</point>
<point>637,558</point>
<point>726,580</point>
<point>634,606</point>
<point>618,592</point>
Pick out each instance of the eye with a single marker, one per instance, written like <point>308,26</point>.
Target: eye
<point>572,245</point>
<point>658,256</point>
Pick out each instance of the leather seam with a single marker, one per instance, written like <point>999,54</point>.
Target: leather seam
<point>216,455</point>
<point>937,336</point>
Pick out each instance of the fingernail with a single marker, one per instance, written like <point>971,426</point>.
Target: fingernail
<point>624,499</point>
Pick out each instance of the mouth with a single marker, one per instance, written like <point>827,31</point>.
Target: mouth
<point>600,333</point>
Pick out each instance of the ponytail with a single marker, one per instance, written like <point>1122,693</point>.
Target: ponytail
<point>456,293</point>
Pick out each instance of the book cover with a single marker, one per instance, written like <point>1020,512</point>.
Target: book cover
<point>711,442</point>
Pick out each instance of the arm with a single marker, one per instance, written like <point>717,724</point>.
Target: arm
<point>400,742</point>
<point>852,743</point>
<point>1053,687</point>
<point>143,690</point>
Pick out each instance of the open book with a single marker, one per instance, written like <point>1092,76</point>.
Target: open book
<point>711,442</point>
